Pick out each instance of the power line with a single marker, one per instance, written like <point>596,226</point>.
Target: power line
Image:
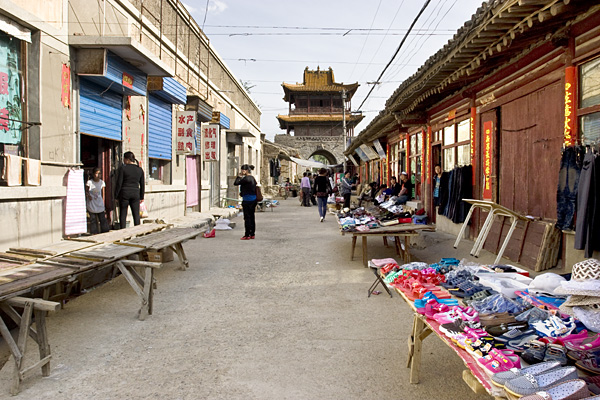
<point>304,61</point>
<point>397,50</point>
<point>365,42</point>
<point>316,28</point>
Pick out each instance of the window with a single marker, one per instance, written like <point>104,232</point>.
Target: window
<point>12,106</point>
<point>589,100</point>
<point>456,145</point>
<point>159,170</point>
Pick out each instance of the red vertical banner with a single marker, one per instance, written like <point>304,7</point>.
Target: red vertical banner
<point>473,143</point>
<point>65,80</point>
<point>407,166</point>
<point>428,158</point>
<point>488,129</point>
<point>570,135</point>
<point>387,163</point>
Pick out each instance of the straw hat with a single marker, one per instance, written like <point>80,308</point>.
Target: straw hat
<point>585,279</point>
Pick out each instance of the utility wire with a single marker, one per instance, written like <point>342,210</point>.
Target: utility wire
<point>205,14</point>
<point>365,42</point>
<point>397,50</point>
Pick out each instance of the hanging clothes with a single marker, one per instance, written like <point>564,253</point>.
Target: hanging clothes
<point>459,187</point>
<point>568,181</point>
<point>587,228</point>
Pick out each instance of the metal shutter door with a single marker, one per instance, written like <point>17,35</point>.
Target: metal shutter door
<point>159,128</point>
<point>100,111</point>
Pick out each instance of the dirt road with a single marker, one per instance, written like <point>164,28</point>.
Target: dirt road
<point>284,316</point>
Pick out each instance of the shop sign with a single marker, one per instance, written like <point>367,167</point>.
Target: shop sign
<point>473,141</point>
<point>65,84</point>
<point>210,142</point>
<point>185,126</point>
<point>379,148</point>
<point>127,80</point>
<point>488,128</point>
<point>570,118</point>
<point>428,155</point>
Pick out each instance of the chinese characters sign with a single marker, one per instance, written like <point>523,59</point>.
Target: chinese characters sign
<point>185,126</point>
<point>570,119</point>
<point>210,142</point>
<point>127,80</point>
<point>65,93</point>
<point>488,129</point>
<point>11,113</point>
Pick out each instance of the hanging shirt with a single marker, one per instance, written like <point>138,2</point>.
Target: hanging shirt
<point>95,203</point>
<point>436,188</point>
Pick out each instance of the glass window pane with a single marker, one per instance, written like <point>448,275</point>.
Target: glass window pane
<point>419,143</point>
<point>463,131</point>
<point>449,159</point>
<point>464,155</point>
<point>413,144</point>
<point>590,127</point>
<point>590,83</point>
<point>448,135</point>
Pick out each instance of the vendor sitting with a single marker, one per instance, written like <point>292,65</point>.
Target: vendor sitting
<point>406,187</point>
<point>368,193</point>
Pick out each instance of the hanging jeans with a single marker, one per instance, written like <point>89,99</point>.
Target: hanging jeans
<point>566,195</point>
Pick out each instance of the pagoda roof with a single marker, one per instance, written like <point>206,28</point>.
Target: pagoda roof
<point>285,120</point>
<point>318,82</point>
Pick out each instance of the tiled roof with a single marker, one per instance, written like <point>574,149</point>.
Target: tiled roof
<point>318,81</point>
<point>351,119</point>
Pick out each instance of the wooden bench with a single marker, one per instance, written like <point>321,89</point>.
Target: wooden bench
<point>33,310</point>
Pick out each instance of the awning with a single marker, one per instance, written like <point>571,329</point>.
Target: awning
<point>12,28</point>
<point>312,164</point>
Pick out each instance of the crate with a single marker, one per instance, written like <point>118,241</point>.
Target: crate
<point>161,256</point>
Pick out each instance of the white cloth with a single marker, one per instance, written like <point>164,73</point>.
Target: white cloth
<point>12,173</point>
<point>95,203</point>
<point>75,219</point>
<point>33,170</point>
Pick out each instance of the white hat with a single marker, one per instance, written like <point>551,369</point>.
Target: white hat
<point>404,173</point>
<point>545,284</point>
<point>585,279</point>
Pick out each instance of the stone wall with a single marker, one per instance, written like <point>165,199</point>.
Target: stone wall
<point>308,146</point>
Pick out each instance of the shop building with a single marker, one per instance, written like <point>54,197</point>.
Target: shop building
<point>92,81</point>
<point>502,99</point>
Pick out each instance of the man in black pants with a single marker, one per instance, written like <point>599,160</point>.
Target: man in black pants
<point>130,189</point>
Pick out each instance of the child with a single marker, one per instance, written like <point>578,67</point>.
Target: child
<point>95,202</point>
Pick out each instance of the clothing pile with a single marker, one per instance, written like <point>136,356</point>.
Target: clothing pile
<point>511,324</point>
<point>455,186</point>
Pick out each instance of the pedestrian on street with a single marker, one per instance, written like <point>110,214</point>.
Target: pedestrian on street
<point>305,187</point>
<point>313,199</point>
<point>346,188</point>
<point>247,185</point>
<point>130,189</point>
<point>94,189</point>
<point>322,189</point>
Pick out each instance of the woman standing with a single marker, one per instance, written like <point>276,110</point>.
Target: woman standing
<point>322,189</point>
<point>130,189</point>
<point>346,188</point>
<point>247,185</point>
<point>95,202</point>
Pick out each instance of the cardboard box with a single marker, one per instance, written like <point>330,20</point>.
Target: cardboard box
<point>161,256</point>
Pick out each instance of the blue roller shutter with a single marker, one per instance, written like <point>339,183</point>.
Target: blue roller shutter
<point>100,111</point>
<point>159,128</point>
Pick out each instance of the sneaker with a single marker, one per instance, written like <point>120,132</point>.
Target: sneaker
<point>556,352</point>
<point>500,379</point>
<point>520,344</point>
<point>590,363</point>
<point>502,329</point>
<point>535,352</point>
<point>575,389</point>
<point>513,334</point>
<point>529,384</point>
<point>322,219</point>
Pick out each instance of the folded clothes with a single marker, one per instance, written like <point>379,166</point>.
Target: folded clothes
<point>380,262</point>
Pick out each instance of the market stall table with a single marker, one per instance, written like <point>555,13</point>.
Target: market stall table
<point>398,232</point>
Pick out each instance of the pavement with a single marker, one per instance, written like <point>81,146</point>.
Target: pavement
<point>284,316</point>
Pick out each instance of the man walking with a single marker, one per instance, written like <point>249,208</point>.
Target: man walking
<point>305,187</point>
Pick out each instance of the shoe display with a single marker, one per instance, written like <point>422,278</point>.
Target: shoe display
<point>502,329</point>
<point>588,343</point>
<point>496,319</point>
<point>556,352</point>
<point>555,327</point>
<point>529,384</point>
<point>569,390</point>
<point>590,362</point>
<point>520,344</point>
<point>499,379</point>
<point>499,361</point>
<point>513,334</point>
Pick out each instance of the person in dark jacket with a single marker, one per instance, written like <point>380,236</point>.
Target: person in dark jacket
<point>130,189</point>
<point>322,189</point>
<point>247,185</point>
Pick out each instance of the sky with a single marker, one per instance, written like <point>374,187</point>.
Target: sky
<point>268,42</point>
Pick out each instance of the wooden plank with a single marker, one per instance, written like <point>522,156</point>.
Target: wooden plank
<point>165,238</point>
<point>17,257</point>
<point>51,274</point>
<point>108,251</point>
<point>31,252</point>
<point>126,234</point>
<point>38,304</point>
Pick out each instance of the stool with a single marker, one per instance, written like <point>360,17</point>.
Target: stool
<point>378,280</point>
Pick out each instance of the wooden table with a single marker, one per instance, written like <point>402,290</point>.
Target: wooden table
<point>398,232</point>
<point>169,238</point>
<point>473,375</point>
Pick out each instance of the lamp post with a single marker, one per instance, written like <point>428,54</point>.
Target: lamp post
<point>344,119</point>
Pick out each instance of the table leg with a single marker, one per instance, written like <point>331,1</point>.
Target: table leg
<point>414,349</point>
<point>364,251</point>
<point>385,242</point>
<point>461,234</point>
<point>181,255</point>
<point>485,231</point>
<point>353,247</point>
<point>406,252</point>
<point>506,240</point>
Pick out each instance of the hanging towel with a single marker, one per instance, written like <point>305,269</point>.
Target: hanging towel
<point>32,172</point>
<point>75,217</point>
<point>12,170</point>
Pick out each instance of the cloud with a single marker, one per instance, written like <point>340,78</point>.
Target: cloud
<point>216,6</point>
<point>190,9</point>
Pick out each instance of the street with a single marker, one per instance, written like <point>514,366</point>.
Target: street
<point>284,316</point>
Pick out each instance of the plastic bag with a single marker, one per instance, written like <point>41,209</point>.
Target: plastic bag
<point>143,210</point>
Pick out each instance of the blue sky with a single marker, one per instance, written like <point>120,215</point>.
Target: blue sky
<point>268,42</point>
